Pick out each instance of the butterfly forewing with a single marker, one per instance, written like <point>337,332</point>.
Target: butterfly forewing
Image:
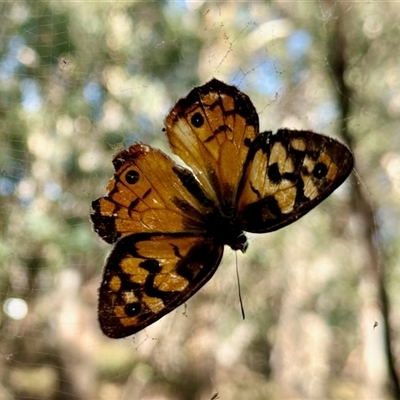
<point>149,275</point>
<point>288,174</point>
<point>211,131</point>
<point>147,195</point>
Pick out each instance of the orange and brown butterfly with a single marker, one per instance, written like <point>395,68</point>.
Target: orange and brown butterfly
<point>169,224</point>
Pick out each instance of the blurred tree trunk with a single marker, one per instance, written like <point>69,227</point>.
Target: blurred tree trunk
<point>377,337</point>
<point>298,332</point>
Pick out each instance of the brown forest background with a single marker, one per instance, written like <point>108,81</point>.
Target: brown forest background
<point>81,80</point>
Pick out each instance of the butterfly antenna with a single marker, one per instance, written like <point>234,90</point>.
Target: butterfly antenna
<point>239,290</point>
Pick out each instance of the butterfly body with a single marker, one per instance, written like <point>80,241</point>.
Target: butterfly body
<point>169,223</point>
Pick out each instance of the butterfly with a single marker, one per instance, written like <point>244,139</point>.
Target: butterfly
<point>169,223</point>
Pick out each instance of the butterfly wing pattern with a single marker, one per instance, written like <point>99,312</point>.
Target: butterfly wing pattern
<point>211,131</point>
<point>149,275</point>
<point>287,174</point>
<point>169,224</point>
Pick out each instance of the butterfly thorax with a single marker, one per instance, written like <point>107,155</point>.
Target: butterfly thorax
<point>223,229</point>
<point>219,222</point>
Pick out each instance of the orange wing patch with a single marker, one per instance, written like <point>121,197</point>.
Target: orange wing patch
<point>146,195</point>
<point>212,126</point>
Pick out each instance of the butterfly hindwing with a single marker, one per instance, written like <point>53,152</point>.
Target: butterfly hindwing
<point>148,275</point>
<point>211,130</point>
<point>286,175</point>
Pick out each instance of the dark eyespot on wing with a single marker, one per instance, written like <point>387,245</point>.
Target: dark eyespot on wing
<point>132,176</point>
<point>197,120</point>
<point>320,170</point>
<point>133,309</point>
